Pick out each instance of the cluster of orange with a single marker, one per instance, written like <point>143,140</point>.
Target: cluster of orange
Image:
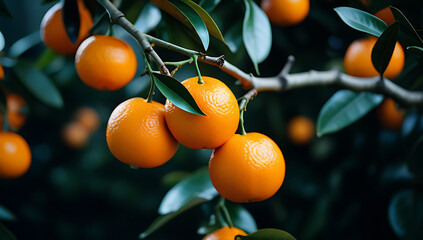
<point>357,62</point>
<point>76,133</point>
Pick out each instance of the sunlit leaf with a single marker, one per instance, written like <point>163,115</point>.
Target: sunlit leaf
<point>267,234</point>
<point>6,215</point>
<point>361,21</point>
<point>24,44</point>
<point>149,18</point>
<point>242,218</point>
<point>209,5</point>
<point>177,93</point>
<point>384,47</point>
<point>344,108</point>
<point>38,84</point>
<point>71,19</point>
<point>256,33</point>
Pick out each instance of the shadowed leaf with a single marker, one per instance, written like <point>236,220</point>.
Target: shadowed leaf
<point>71,19</point>
<point>384,47</point>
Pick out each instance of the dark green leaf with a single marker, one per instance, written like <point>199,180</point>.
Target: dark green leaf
<point>361,21</point>
<point>3,10</point>
<point>256,33</point>
<point>38,84</point>
<point>344,108</point>
<point>242,218</point>
<point>23,44</point>
<point>2,41</point>
<point>71,19</point>
<point>405,214</point>
<point>406,26</point>
<point>190,192</point>
<point>6,215</point>
<point>101,25</point>
<point>5,234</point>
<point>208,20</point>
<point>384,47</point>
<point>149,18</point>
<point>415,158</point>
<point>209,5</point>
<point>48,1</point>
<point>234,36</point>
<point>267,234</point>
<point>177,93</point>
<point>196,188</point>
<point>416,50</point>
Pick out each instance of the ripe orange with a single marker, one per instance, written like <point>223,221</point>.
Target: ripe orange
<point>300,130</point>
<point>389,116</point>
<point>218,102</point>
<point>247,168</point>
<point>1,72</point>
<point>386,15</point>
<point>88,118</point>
<point>286,12</point>
<point>15,155</point>
<point>53,30</point>
<point>105,63</point>
<point>16,118</point>
<point>75,135</point>
<point>225,233</point>
<point>358,62</point>
<point>137,134</point>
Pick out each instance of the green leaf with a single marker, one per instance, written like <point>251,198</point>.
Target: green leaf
<point>361,21</point>
<point>415,158</point>
<point>209,5</point>
<point>405,214</point>
<point>3,10</point>
<point>101,25</point>
<point>416,50</point>
<point>196,188</point>
<point>384,47</point>
<point>344,108</point>
<point>6,215</point>
<point>177,93</point>
<point>38,84</point>
<point>46,58</point>
<point>208,20</point>
<point>149,18</point>
<point>267,234</point>
<point>71,19</point>
<point>24,44</point>
<point>2,41</point>
<point>234,36</point>
<point>190,192</point>
<point>256,33</point>
<point>5,234</point>
<point>242,218</point>
<point>405,25</point>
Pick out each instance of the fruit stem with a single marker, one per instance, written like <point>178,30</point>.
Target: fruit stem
<point>242,107</point>
<point>111,32</point>
<point>195,57</point>
<point>152,84</point>
<point>225,211</point>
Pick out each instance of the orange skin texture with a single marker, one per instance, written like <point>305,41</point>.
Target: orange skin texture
<point>300,130</point>
<point>286,12</point>
<point>1,72</point>
<point>15,155</point>
<point>53,30</point>
<point>225,233</point>
<point>386,15</point>
<point>358,61</point>
<point>88,118</point>
<point>247,168</point>
<point>105,63</point>
<point>137,134</point>
<point>75,135</point>
<point>218,102</point>
<point>389,116</point>
<point>16,119</point>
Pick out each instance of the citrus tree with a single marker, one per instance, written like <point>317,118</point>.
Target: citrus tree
<point>125,118</point>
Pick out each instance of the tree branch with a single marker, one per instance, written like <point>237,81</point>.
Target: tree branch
<point>282,82</point>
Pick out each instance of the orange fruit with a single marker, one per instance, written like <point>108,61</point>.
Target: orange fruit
<point>137,134</point>
<point>386,15</point>
<point>286,12</point>
<point>358,60</point>
<point>218,102</point>
<point>389,116</point>
<point>88,118</point>
<point>16,118</point>
<point>1,72</point>
<point>53,31</point>
<point>300,130</point>
<point>105,63</point>
<point>225,233</point>
<point>15,155</point>
<point>75,135</point>
<point>247,168</point>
